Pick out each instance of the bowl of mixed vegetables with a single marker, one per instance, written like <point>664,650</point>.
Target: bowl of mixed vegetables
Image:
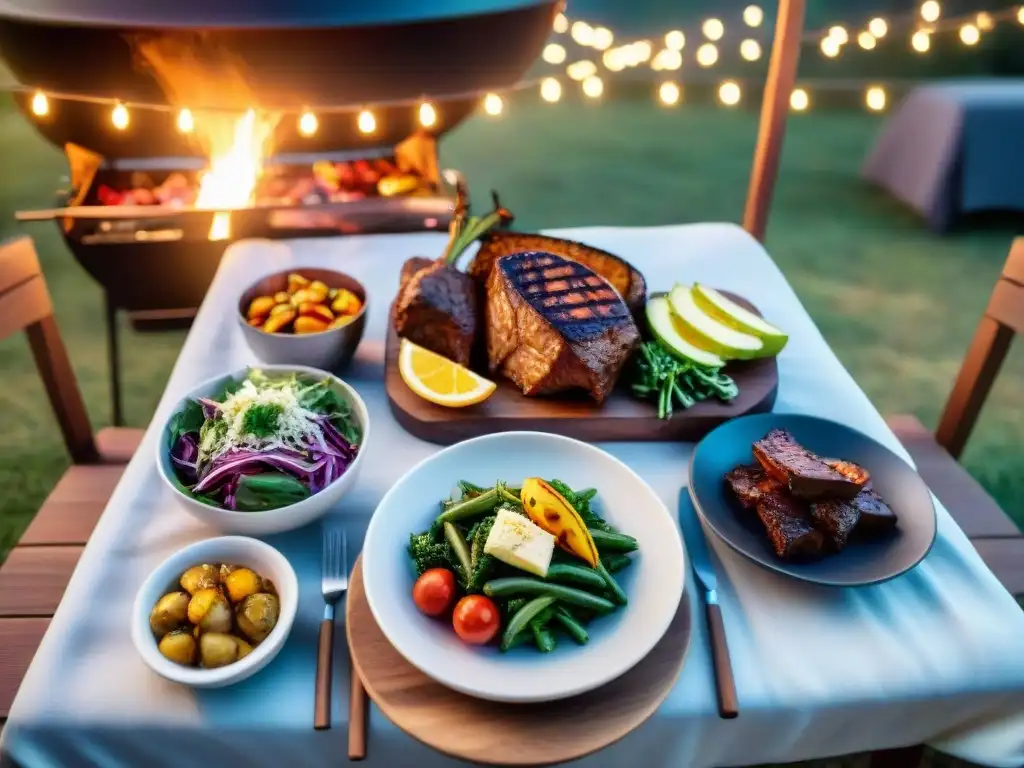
<point>264,450</point>
<point>522,567</point>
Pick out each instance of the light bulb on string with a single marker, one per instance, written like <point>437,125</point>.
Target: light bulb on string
<point>878,27</point>
<point>493,104</point>
<point>750,50</point>
<point>186,123</point>
<point>713,29</point>
<point>921,41</point>
<point>839,34</point>
<point>561,24</point>
<point>874,98</point>
<point>799,101</point>
<point>753,16</point>
<point>931,10</point>
<point>593,87</point>
<point>550,90</point>
<point>669,94</point>
<point>582,33</point>
<point>119,117</point>
<point>581,70</point>
<point>40,104</point>
<point>428,115</point>
<point>603,38</point>
<point>667,60</point>
<point>729,93</point>
<point>830,47</point>
<point>553,53</point>
<point>866,41</point>
<point>308,124</point>
<point>985,21</point>
<point>675,40</point>
<point>614,60</point>
<point>1020,15</point>
<point>366,122</point>
<point>707,55</point>
<point>969,34</point>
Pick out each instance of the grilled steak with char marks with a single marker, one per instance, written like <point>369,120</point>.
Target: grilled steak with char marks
<point>804,473</point>
<point>788,526</point>
<point>555,325</point>
<point>437,308</point>
<point>749,482</point>
<point>836,518</point>
<point>876,517</point>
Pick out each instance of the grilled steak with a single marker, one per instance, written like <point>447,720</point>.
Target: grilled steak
<point>876,517</point>
<point>836,519</point>
<point>622,276</point>
<point>805,474</point>
<point>789,529</point>
<point>437,308</point>
<point>749,483</point>
<point>851,471</point>
<point>554,325</point>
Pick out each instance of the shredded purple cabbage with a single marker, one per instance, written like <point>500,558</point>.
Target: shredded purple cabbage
<point>185,457</point>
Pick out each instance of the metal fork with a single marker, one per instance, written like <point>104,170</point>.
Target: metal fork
<point>334,585</point>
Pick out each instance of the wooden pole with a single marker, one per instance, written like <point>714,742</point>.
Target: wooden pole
<point>789,26</point>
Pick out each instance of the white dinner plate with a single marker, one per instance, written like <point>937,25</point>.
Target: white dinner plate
<point>653,583</point>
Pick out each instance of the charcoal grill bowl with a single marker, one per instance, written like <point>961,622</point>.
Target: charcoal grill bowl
<point>330,350</point>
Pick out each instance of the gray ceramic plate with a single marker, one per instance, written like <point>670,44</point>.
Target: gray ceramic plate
<point>862,562</point>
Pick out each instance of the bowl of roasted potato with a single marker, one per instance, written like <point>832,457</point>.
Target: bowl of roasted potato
<point>305,316</point>
<point>215,612</point>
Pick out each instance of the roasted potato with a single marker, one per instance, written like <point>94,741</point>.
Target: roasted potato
<point>305,296</point>
<point>169,613</point>
<point>244,649</point>
<point>241,583</point>
<point>282,309</point>
<point>199,577</point>
<point>226,569</point>
<point>256,322</point>
<point>261,305</point>
<point>218,650</point>
<point>339,321</point>
<point>320,290</point>
<point>179,646</point>
<point>277,323</point>
<point>282,297</point>
<point>309,325</point>
<point>257,615</point>
<point>318,311</point>
<point>345,303</point>
<point>296,281</point>
<point>210,611</point>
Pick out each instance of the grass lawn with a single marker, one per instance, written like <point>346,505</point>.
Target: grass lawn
<point>897,303</point>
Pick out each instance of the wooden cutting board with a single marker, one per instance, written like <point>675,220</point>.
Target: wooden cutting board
<point>509,734</point>
<point>620,418</point>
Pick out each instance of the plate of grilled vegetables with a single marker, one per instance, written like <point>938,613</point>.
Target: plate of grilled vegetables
<point>813,499</point>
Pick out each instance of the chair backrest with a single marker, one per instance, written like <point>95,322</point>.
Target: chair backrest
<point>1003,317</point>
<point>25,305</point>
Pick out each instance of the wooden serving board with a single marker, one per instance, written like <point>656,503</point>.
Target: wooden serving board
<point>621,418</point>
<point>509,734</point>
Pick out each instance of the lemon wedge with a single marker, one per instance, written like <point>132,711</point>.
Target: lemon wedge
<point>440,380</point>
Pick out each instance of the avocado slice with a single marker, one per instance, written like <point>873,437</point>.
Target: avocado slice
<point>664,328</point>
<point>706,333</point>
<point>728,312</point>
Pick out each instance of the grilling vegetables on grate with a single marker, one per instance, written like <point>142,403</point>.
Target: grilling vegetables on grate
<point>263,443</point>
<point>538,554</point>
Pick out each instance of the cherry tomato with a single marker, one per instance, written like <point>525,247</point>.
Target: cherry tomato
<point>433,591</point>
<point>476,619</point>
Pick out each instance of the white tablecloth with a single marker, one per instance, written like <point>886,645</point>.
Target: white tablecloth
<point>934,656</point>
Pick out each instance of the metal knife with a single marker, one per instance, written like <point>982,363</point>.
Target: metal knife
<point>700,560</point>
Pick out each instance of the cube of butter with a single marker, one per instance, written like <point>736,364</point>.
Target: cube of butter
<point>519,542</point>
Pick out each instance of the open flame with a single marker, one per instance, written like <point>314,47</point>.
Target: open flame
<point>236,148</point>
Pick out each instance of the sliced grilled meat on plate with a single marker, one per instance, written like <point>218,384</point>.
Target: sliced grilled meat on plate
<point>836,518</point>
<point>749,482</point>
<point>436,308</point>
<point>804,473</point>
<point>876,517</point>
<point>555,325</point>
<point>788,526</point>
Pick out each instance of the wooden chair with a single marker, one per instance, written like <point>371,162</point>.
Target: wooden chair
<point>993,534</point>
<point>33,578</point>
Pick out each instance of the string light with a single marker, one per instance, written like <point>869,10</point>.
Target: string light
<point>799,100</point>
<point>930,10</point>
<point>830,47</point>
<point>582,33</point>
<point>669,94</point>
<point>921,41</point>
<point>866,40</point>
<point>603,38</point>
<point>878,26</point>
<point>675,40</point>
<point>729,93</point>
<point>561,24</point>
<point>1020,15</point>
<point>753,16</point>
<point>366,122</point>
<point>40,104</point>
<point>120,117</point>
<point>614,60</point>
<point>308,124</point>
<point>428,115</point>
<point>969,34</point>
<point>667,60</point>
<point>985,21</point>
<point>593,87</point>
<point>186,123</point>
<point>750,50</point>
<point>553,53</point>
<point>707,55</point>
<point>839,34</point>
<point>550,90</point>
<point>874,98</point>
<point>713,29</point>
<point>641,51</point>
<point>493,104</point>
<point>581,70</point>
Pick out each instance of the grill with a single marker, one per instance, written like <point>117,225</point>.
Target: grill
<point>128,215</point>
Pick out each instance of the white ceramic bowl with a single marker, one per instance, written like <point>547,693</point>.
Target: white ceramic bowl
<point>234,550</point>
<point>653,583</point>
<point>282,518</point>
